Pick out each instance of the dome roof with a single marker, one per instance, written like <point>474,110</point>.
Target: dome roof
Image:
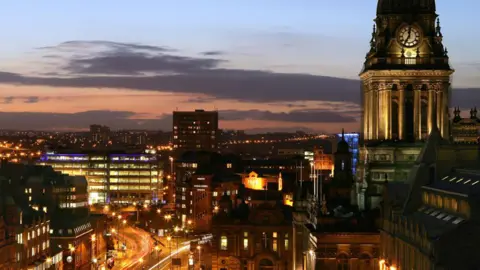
<point>405,6</point>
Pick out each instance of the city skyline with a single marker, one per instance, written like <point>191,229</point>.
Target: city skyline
<point>265,66</point>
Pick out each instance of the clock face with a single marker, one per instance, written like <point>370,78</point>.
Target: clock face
<point>409,36</point>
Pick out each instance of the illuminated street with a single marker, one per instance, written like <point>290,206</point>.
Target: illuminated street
<point>138,246</point>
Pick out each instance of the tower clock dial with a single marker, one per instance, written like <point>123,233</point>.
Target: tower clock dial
<point>409,36</point>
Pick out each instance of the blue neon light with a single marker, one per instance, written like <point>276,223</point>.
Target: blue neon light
<point>352,140</point>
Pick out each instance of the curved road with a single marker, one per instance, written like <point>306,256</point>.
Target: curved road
<point>139,246</point>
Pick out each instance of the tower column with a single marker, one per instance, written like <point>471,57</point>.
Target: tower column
<point>382,115</point>
<point>431,96</point>
<point>366,111</point>
<point>401,111</point>
<point>418,111</point>
<point>445,110</point>
<point>439,107</point>
<point>389,110</point>
<point>375,105</point>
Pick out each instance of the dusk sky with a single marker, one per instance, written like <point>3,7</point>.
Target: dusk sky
<point>263,64</point>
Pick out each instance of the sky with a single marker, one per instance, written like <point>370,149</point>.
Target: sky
<point>269,65</point>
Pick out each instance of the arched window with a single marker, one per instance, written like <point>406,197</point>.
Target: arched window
<point>265,264</point>
<point>365,262</point>
<point>342,262</point>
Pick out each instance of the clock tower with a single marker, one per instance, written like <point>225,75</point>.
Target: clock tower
<point>405,82</point>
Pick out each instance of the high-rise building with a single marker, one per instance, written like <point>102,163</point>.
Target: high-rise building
<point>406,80</point>
<point>197,130</point>
<point>99,133</point>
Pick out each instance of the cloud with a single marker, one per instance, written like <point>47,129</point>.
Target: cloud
<point>134,63</point>
<point>32,99</point>
<point>76,45</point>
<point>105,64</point>
<point>295,116</point>
<point>11,99</point>
<point>131,120</point>
<point>8,100</point>
<point>212,53</point>
<point>81,120</point>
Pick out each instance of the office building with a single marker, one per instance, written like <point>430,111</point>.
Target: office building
<point>197,130</point>
<point>113,176</point>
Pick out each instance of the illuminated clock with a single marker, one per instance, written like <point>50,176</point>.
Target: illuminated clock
<point>409,36</point>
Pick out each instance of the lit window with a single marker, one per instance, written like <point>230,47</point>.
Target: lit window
<point>274,242</point>
<point>215,194</point>
<point>223,243</point>
<point>229,165</point>
<point>286,241</point>
<point>20,238</point>
<point>245,241</point>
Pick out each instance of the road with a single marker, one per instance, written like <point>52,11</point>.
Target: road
<point>165,262</point>
<point>140,252</point>
<point>139,246</point>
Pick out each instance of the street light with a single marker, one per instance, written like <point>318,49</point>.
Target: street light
<point>199,255</point>
<point>169,239</point>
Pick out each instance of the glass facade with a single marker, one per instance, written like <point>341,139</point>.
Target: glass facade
<point>352,139</point>
<point>120,178</point>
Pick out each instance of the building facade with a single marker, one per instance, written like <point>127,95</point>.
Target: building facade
<point>113,176</point>
<point>196,130</point>
<point>432,223</point>
<point>406,83</point>
<point>465,130</point>
<point>261,238</point>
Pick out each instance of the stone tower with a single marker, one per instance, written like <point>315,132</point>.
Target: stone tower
<point>406,70</point>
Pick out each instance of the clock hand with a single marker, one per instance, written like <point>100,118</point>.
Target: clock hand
<point>409,34</point>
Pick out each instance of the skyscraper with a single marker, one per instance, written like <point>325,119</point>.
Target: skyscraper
<point>195,130</point>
